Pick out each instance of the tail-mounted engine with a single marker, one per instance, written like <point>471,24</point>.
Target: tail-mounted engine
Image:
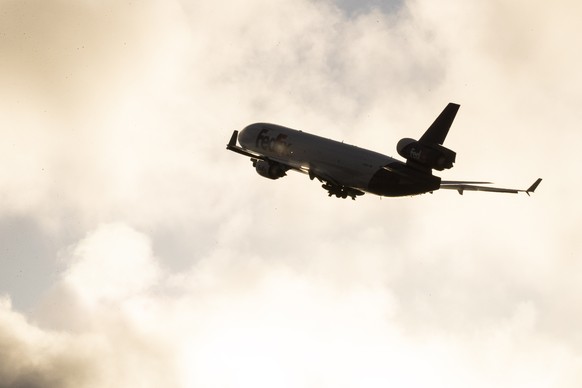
<point>269,170</point>
<point>433,156</point>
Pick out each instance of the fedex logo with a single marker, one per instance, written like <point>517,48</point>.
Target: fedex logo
<point>277,144</point>
<point>415,154</point>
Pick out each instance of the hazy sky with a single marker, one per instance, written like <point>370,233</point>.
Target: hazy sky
<point>135,251</point>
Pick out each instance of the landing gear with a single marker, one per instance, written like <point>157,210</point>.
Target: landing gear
<point>341,191</point>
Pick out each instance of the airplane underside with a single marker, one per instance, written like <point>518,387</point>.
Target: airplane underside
<point>394,180</point>
<point>398,180</point>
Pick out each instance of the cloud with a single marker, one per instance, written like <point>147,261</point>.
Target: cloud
<point>105,259</point>
<point>180,266</point>
<point>251,324</point>
<point>73,88</point>
<point>99,312</point>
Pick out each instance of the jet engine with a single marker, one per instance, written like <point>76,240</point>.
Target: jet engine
<point>269,170</point>
<point>433,156</point>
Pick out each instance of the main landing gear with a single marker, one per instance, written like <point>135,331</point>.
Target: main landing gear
<point>341,191</point>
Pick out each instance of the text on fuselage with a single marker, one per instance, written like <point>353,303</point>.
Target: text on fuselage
<point>277,145</point>
<point>415,154</point>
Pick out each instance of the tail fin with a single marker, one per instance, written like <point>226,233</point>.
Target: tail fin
<point>438,131</point>
<point>428,153</point>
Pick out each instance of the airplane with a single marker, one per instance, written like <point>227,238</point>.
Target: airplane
<point>349,171</point>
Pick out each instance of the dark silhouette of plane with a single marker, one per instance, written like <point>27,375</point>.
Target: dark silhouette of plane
<point>349,171</point>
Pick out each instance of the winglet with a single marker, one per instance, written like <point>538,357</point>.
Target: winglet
<point>232,142</point>
<point>234,148</point>
<point>534,186</point>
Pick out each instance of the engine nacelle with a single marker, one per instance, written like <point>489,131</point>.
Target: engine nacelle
<point>427,155</point>
<point>269,169</point>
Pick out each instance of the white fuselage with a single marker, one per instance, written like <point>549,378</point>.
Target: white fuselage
<point>347,164</point>
<point>340,163</point>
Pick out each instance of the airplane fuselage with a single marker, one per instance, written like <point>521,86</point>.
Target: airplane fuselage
<point>343,164</point>
<point>349,171</point>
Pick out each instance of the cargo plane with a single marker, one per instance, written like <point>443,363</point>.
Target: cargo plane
<point>349,171</point>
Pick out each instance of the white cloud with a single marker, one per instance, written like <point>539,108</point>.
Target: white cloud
<point>254,323</point>
<point>122,142</point>
<point>113,263</point>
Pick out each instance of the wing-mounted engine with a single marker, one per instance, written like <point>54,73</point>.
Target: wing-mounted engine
<point>268,169</point>
<point>426,155</point>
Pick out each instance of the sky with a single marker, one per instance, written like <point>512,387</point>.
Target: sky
<point>136,251</point>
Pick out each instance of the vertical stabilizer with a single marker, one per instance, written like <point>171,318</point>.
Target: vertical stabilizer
<point>438,131</point>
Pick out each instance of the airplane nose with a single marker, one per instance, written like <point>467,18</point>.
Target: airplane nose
<point>249,134</point>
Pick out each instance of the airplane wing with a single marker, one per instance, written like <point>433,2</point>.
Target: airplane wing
<point>312,172</point>
<point>462,186</point>
<point>257,156</point>
<point>329,183</point>
<point>239,150</point>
